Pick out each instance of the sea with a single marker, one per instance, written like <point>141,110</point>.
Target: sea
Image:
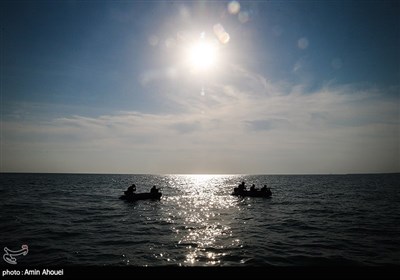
<point>310,220</point>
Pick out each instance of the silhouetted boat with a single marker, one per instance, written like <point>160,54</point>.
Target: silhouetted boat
<point>141,196</point>
<point>254,193</point>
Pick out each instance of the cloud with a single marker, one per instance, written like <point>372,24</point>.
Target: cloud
<point>268,124</point>
<point>250,125</point>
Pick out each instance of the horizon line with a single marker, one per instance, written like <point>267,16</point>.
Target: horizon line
<point>199,174</point>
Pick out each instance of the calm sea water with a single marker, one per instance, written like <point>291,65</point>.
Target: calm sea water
<point>75,219</point>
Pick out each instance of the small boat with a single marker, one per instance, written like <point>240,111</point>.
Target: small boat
<point>252,193</point>
<point>141,196</point>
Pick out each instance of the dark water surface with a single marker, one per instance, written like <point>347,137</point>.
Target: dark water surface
<point>75,219</point>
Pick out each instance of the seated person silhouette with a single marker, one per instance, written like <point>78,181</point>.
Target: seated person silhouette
<point>253,188</point>
<point>267,190</point>
<point>153,190</point>
<point>131,190</point>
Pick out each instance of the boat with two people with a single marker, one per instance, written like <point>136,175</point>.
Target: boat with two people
<point>253,192</point>
<point>131,195</point>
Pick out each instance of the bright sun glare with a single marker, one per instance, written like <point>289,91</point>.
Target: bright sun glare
<point>202,55</point>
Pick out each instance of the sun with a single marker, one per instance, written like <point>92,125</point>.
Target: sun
<point>202,55</point>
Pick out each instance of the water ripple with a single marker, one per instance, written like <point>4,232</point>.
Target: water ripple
<point>310,220</point>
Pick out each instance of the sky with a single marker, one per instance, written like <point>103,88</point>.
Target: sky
<point>216,87</point>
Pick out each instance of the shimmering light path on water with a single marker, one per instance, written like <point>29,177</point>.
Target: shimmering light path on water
<point>75,219</point>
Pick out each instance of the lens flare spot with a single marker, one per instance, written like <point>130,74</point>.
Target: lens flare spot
<point>233,7</point>
<point>303,43</point>
<point>244,17</point>
<point>170,42</point>
<point>221,34</point>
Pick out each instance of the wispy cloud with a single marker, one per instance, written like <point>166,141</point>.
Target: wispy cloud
<point>248,126</point>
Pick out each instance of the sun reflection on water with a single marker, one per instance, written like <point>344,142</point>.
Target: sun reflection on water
<point>200,224</point>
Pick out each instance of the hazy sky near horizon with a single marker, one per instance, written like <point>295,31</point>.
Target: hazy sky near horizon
<point>112,86</point>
